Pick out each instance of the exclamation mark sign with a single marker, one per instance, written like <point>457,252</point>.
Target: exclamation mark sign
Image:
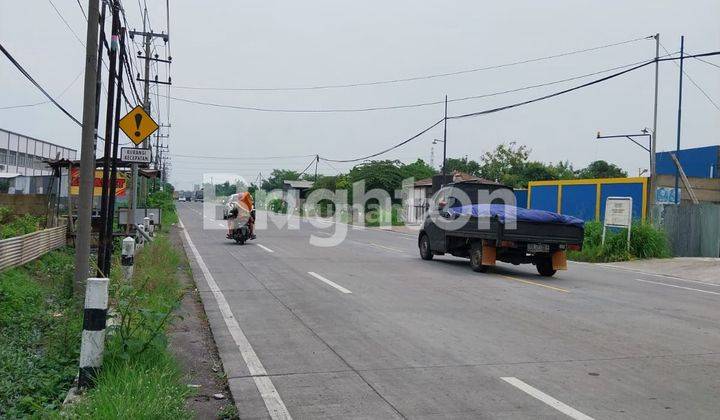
<point>138,119</point>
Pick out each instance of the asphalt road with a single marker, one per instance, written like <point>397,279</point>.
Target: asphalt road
<point>366,329</point>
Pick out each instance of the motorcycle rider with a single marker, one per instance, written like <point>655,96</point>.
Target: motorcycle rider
<point>243,206</point>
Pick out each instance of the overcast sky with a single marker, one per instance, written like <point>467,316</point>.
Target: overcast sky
<point>240,44</point>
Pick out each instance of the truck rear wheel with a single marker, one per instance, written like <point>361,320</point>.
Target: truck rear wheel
<point>476,260</point>
<point>425,251</point>
<point>545,268</point>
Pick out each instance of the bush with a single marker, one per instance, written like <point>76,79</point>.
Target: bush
<point>646,241</point>
<point>22,225</point>
<point>40,326</point>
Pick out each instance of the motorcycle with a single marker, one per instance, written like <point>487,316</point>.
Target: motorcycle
<point>241,234</point>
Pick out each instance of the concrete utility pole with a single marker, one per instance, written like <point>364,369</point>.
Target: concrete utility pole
<point>87,152</point>
<point>679,119</point>
<point>653,139</point>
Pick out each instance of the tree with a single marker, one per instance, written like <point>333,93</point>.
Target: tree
<point>277,177</point>
<point>417,170</point>
<point>505,159</point>
<point>383,174</point>
<point>462,165</point>
<point>601,169</point>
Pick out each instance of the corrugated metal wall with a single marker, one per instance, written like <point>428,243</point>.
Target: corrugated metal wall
<point>585,198</point>
<point>692,229</point>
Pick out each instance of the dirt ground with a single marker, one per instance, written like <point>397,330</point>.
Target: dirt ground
<point>193,346</point>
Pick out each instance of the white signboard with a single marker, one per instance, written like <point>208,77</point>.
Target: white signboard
<point>135,155</point>
<point>618,213</point>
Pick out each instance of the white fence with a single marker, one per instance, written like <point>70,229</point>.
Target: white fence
<point>21,249</point>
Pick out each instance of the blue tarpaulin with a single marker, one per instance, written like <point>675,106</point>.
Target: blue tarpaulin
<point>503,211</point>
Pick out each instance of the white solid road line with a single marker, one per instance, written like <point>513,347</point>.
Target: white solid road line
<point>328,282</point>
<point>273,402</point>
<point>679,287</point>
<point>552,402</point>
<point>265,248</point>
<point>633,270</point>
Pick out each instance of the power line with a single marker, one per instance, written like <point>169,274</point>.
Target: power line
<point>707,62</point>
<point>518,104</point>
<point>62,93</point>
<point>694,83</point>
<point>66,23</point>
<point>309,165</point>
<point>402,143</point>
<point>405,106</point>
<point>82,10</point>
<point>425,77</point>
<point>243,157</point>
<point>37,85</point>
<point>584,85</point>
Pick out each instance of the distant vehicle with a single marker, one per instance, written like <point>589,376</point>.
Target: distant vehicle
<point>478,231</point>
<point>198,196</point>
<point>182,198</point>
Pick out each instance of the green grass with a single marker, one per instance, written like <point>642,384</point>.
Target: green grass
<point>646,241</point>
<point>140,379</point>
<point>40,327</point>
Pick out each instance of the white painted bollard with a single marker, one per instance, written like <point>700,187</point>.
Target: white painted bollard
<point>93,335</point>
<point>146,224</point>
<point>152,224</point>
<point>140,236</point>
<point>128,256</point>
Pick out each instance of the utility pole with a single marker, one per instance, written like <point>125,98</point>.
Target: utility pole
<point>679,120</point>
<point>105,211</point>
<point>653,139</point>
<point>87,152</point>
<point>317,159</point>
<point>116,142</point>
<point>444,145</point>
<point>147,40</point>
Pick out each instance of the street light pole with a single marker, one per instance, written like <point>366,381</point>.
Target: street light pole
<point>444,145</point>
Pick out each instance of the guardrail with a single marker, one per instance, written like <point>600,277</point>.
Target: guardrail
<point>21,249</point>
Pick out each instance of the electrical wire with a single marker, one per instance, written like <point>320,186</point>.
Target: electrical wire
<point>406,106</point>
<point>707,62</point>
<point>694,83</point>
<point>416,78</point>
<point>82,10</point>
<point>518,104</point>
<point>309,166</point>
<point>584,85</point>
<point>66,23</point>
<point>402,143</point>
<point>62,93</point>
<point>243,157</point>
<point>37,85</point>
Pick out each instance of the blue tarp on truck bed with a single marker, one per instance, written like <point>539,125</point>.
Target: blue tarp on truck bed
<point>520,214</point>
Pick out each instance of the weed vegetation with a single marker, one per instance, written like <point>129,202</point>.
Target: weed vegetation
<point>646,241</point>
<point>40,328</point>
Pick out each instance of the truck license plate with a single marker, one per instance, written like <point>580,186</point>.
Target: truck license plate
<point>535,248</point>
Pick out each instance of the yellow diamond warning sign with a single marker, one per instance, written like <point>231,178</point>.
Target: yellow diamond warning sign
<point>137,125</point>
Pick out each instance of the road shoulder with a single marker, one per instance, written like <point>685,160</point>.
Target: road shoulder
<point>193,346</point>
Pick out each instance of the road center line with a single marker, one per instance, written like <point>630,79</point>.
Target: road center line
<point>679,287</point>
<point>552,402</point>
<point>265,248</point>
<point>558,289</point>
<point>328,282</point>
<point>275,405</point>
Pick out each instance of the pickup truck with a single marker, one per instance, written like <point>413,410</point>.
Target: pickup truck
<point>470,219</point>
